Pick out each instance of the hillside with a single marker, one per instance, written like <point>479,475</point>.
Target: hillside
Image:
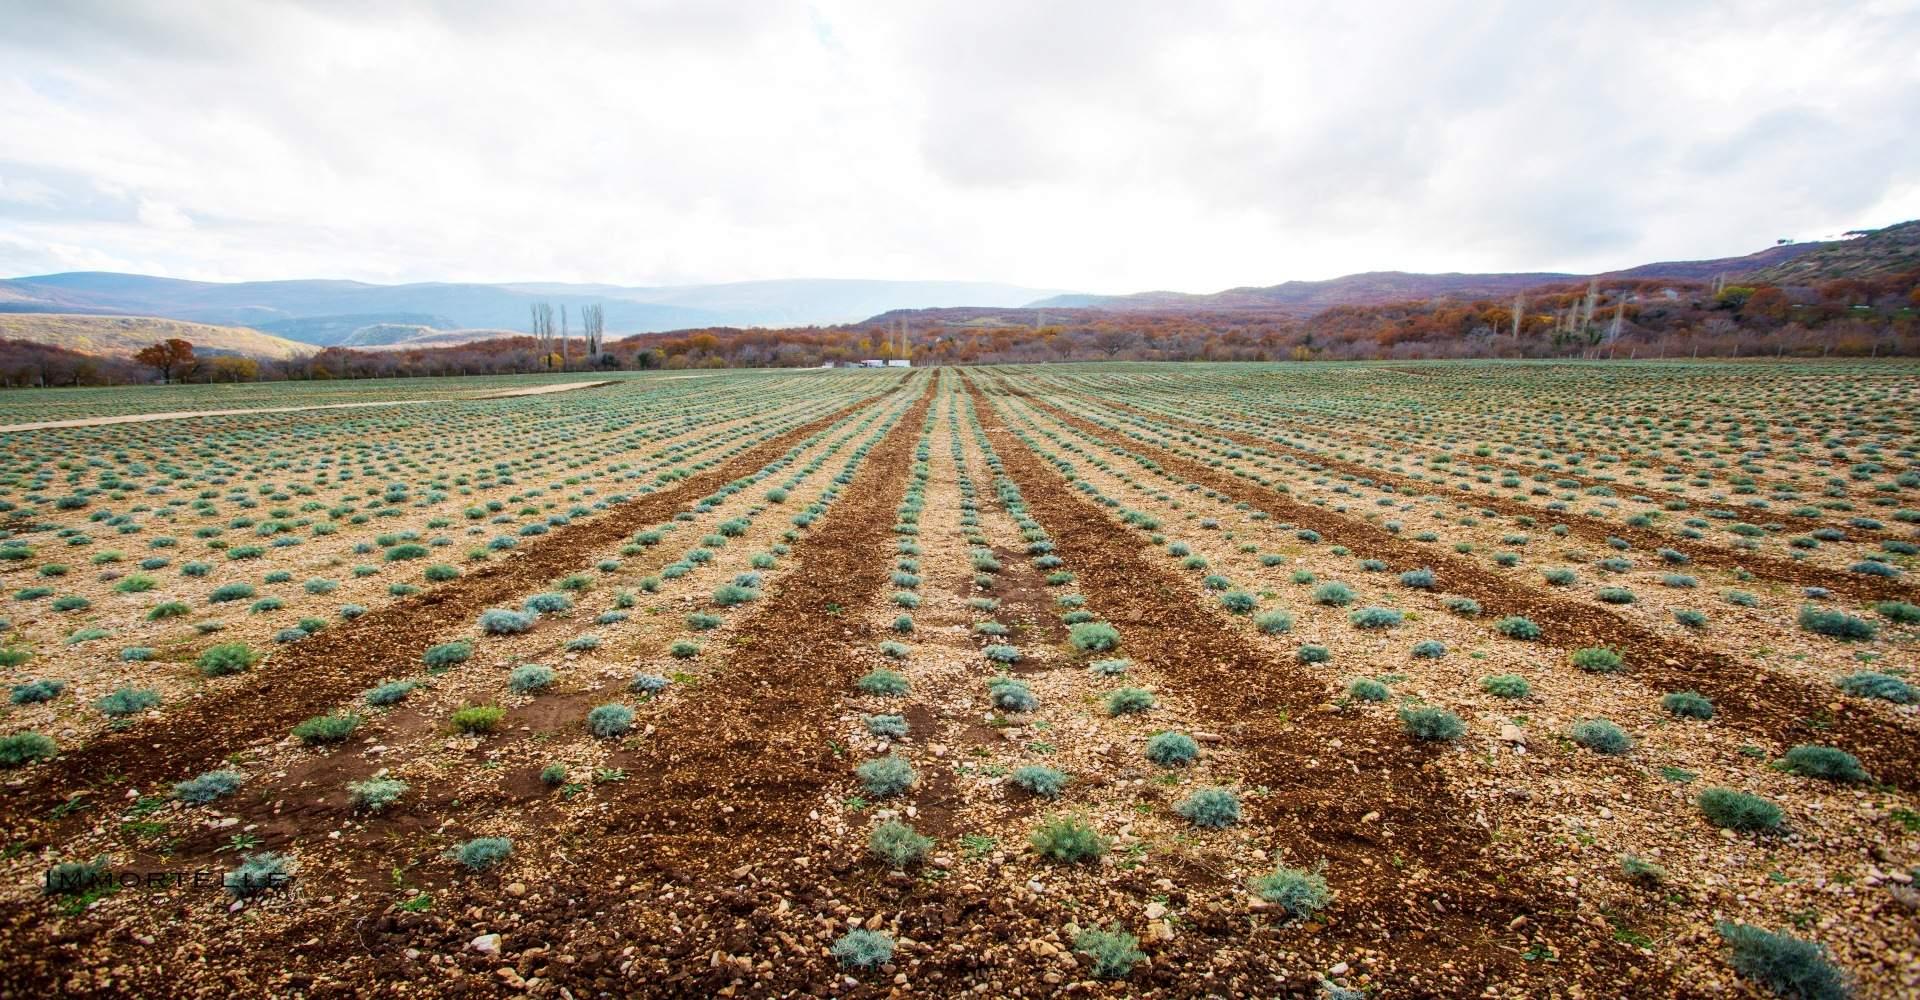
<point>123,335</point>
<point>1893,250</point>
<point>1305,298</point>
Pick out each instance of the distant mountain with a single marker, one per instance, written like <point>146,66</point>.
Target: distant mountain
<point>328,312</point>
<point>1892,250</point>
<point>348,330</point>
<point>1304,298</point>
<point>123,335</point>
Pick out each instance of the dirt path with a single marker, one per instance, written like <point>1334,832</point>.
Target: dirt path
<point>141,418</point>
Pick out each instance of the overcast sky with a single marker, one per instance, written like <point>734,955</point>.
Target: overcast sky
<point>1102,146</point>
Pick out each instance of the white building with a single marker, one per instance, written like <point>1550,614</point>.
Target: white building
<point>899,363</point>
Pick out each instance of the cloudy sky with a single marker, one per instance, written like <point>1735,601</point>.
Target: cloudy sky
<point>1102,146</point>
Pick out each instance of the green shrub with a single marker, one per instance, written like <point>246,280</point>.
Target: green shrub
<point>553,775</point>
<point>375,794</point>
<point>1364,689</point>
<point>1094,637</point>
<point>1333,594</point>
<point>1691,619</point>
<point>34,692</point>
<point>1736,810</point>
<point>323,729</point>
<point>863,949</point>
<point>1214,807</point>
<point>1238,602</point>
<point>1899,611</point>
<point>1465,606</point>
<point>1687,705</point>
<point>1639,869</point>
<point>1516,627</point>
<point>1273,622</point>
<point>257,873</point>
<point>1129,701</point>
<point>1068,839</point>
<point>128,701</point>
<point>898,844</point>
<point>1432,724</point>
<point>1111,954</point>
<point>1784,964</point>
<point>390,693</point>
<point>1172,749</point>
<point>446,655</point>
<point>1598,660</point>
<point>890,726</point>
<point>482,853</point>
<point>1312,653</point>
<point>227,658</point>
<point>504,621</point>
<point>884,777</point>
<point>1297,891</point>
<point>1375,617</point>
<point>1600,736</point>
<point>610,720</point>
<point>23,748</point>
<point>882,681</point>
<point>14,656</point>
<point>529,678</point>
<point>228,593</point>
<point>1873,684</point>
<point>1011,695</point>
<point>1826,763</point>
<point>1837,624</point>
<point>208,787</point>
<point>475,720</point>
<point>1506,686</point>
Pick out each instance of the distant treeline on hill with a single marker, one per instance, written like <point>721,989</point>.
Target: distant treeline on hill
<point>1844,317</point>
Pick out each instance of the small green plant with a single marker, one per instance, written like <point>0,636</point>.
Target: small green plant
<point>257,873</point>
<point>1826,763</point>
<point>477,720</point>
<point>1736,810</point>
<point>1373,617</point>
<point>863,949</point>
<point>1367,689</point>
<point>610,720</point>
<point>1068,840</point>
<point>1873,684</point>
<point>1094,637</point>
<point>128,701</point>
<point>208,787</point>
<point>375,794</point>
<point>1638,869</point>
<point>1129,701</point>
<point>447,654</point>
<point>1837,624</point>
<point>1516,627</point>
<point>25,748</point>
<point>1110,953</point>
<point>529,678</point>
<point>1600,736</point>
<point>1598,660</point>
<point>324,729</point>
<point>1298,892</point>
<point>482,853</point>
<point>1040,780</point>
<point>1784,964</point>
<point>898,844</point>
<point>1213,808</point>
<point>886,776</point>
<point>882,681</point>
<point>1432,725</point>
<point>1172,749</point>
<point>227,658</point>
<point>1687,705</point>
<point>390,693</point>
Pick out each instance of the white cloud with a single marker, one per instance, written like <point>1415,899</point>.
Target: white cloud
<point>1108,146</point>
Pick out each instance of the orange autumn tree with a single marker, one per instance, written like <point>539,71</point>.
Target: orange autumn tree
<point>167,357</point>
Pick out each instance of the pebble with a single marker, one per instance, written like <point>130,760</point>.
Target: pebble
<point>486,944</point>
